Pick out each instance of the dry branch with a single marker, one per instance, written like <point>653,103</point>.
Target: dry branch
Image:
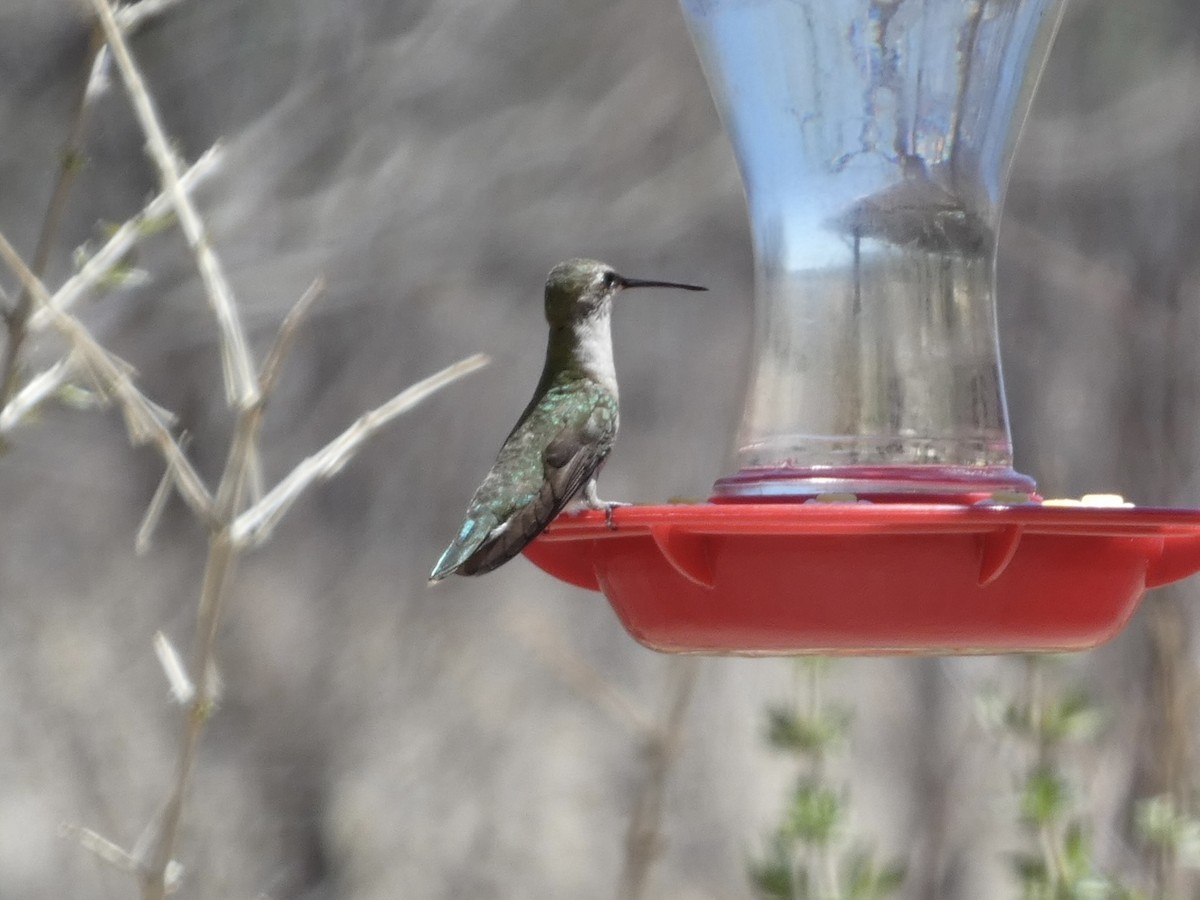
<point>182,689</point>
<point>71,161</point>
<point>659,736</point>
<point>241,385</point>
<point>101,263</point>
<point>31,396</point>
<point>549,647</point>
<point>644,838</point>
<point>254,525</point>
<point>134,14</point>
<point>144,419</point>
<point>231,526</point>
<point>286,336</point>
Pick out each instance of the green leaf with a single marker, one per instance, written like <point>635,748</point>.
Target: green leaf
<point>1018,719</point>
<point>153,225</point>
<point>1045,797</point>
<point>1127,893</point>
<point>73,162</point>
<point>806,735</point>
<point>76,397</point>
<point>1092,887</point>
<point>772,880</point>
<point>124,274</point>
<point>1030,869</point>
<point>1154,820</point>
<point>991,709</point>
<point>814,814</point>
<point>1187,843</point>
<point>1159,823</point>
<point>1077,852</point>
<point>81,254</point>
<point>773,876</point>
<point>1037,890</point>
<point>1073,718</point>
<point>865,880</point>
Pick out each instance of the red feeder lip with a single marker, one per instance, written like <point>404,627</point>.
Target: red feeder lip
<point>871,578</point>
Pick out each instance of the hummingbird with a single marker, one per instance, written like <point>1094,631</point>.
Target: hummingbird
<point>564,435</point>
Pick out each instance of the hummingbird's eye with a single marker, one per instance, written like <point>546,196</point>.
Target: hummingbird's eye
<point>610,278</point>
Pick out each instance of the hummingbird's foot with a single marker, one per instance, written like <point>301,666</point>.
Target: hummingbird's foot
<point>608,515</point>
<point>594,502</point>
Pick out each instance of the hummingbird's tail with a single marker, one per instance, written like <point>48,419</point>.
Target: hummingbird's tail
<point>476,529</point>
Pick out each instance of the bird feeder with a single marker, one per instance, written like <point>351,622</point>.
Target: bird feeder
<point>876,509</point>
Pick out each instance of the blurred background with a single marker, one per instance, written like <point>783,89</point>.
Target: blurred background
<point>433,159</point>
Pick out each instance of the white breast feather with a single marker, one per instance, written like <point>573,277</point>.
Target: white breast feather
<point>594,351</point>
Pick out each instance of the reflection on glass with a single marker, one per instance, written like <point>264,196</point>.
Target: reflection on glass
<point>874,139</point>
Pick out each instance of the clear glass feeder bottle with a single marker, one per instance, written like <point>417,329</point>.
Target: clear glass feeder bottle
<point>874,139</point>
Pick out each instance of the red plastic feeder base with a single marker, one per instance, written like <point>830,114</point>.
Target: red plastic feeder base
<point>862,578</point>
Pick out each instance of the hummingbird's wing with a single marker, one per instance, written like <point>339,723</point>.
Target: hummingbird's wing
<point>572,456</point>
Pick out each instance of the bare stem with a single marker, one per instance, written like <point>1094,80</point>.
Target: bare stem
<point>644,839</point>
<point>1173,690</point>
<point>232,528</point>
<point>69,165</point>
<point>659,738</point>
<point>221,558</point>
<point>35,391</point>
<point>144,419</point>
<point>98,266</point>
<point>255,524</point>
<point>227,543</point>
<point>268,375</point>
<point>223,554</point>
<point>554,652</point>
<point>102,262</point>
<point>241,384</point>
<point>130,16</point>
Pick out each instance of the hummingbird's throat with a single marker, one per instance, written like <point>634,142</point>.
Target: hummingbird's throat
<point>586,347</point>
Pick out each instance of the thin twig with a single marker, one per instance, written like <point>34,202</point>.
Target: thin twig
<point>70,163</point>
<point>102,262</point>
<point>157,505</point>
<point>217,571</point>
<point>659,737</point>
<point>34,393</point>
<point>644,838</point>
<point>109,852</point>
<point>1171,774</point>
<point>242,463</point>
<point>254,525</point>
<point>231,528</point>
<point>154,513</point>
<point>226,544</point>
<point>97,82</point>
<point>223,555</point>
<point>130,17</point>
<point>241,385</point>
<point>182,689</point>
<point>143,418</point>
<point>561,659</point>
<point>268,375</point>
<point>245,437</point>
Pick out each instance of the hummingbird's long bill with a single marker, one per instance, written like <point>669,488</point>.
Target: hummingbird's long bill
<point>642,282</point>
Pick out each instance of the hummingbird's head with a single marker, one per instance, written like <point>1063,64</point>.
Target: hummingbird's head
<point>580,289</point>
